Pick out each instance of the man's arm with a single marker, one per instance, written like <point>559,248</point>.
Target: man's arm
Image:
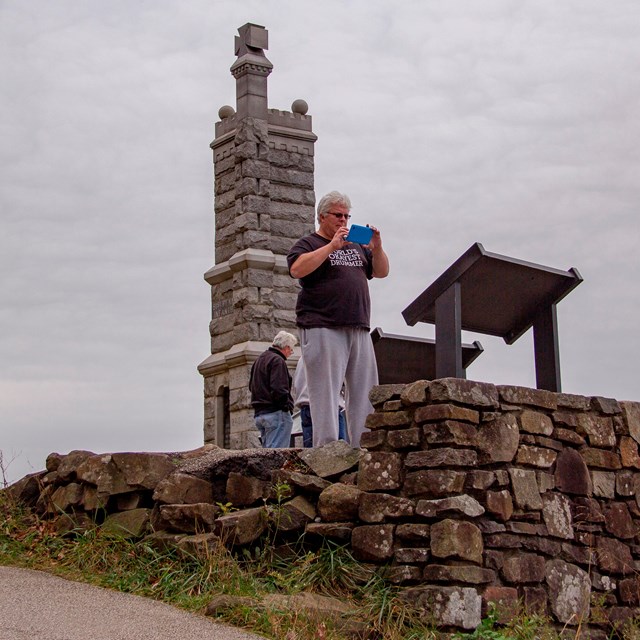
<point>379,261</point>
<point>309,262</point>
<point>279,384</point>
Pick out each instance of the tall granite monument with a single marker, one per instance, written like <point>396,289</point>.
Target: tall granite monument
<point>264,201</point>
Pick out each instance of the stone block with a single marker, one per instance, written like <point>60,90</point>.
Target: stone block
<point>500,504</point>
<point>378,507</point>
<point>629,453</point>
<point>413,532</point>
<point>598,430</point>
<point>373,440</point>
<point>572,475</point>
<point>498,440</point>
<point>180,488</point>
<point>531,397</point>
<point>631,417</point>
<point>576,554</point>
<point>339,531</point>
<point>437,412</point>
<point>331,459</point>
<point>613,556</point>
<point>546,481</point>
<point>525,489</point>
<point>308,483</point>
<point>434,483</point>
<point>630,591</point>
<point>289,176</point>
<point>404,574</point>
<point>568,436</point>
<point>415,393</point>
<point>293,515</point>
<point>242,527</point>
<point>390,420</point>
<point>128,524</point>
<point>548,443</point>
<point>459,607</point>
<point>384,392</point>
<point>608,406</point>
<point>65,497</point>
<point>403,438</point>
<point>451,432</point>
<point>573,401</point>
<point>339,503</point>
<point>480,480</point>
<point>481,395</point>
<point>524,568</point>
<point>373,543</point>
<point>556,512</point>
<point>536,456</point>
<point>460,505</point>
<point>380,471</point>
<point>468,574</point>
<point>456,539</point>
<point>618,521</point>
<point>536,422</point>
<point>287,229</point>
<point>625,483</point>
<point>569,592</point>
<point>411,555</point>
<point>251,168</point>
<point>503,541</point>
<point>245,490</point>
<point>287,193</point>
<point>443,457</point>
<point>186,518</point>
<point>565,419</point>
<point>601,459</point>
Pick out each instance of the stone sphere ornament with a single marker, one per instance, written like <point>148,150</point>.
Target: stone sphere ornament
<point>226,111</point>
<point>300,106</point>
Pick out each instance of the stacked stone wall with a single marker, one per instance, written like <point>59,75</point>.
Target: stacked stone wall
<point>464,494</point>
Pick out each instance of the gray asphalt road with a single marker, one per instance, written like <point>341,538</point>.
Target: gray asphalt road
<point>39,606</point>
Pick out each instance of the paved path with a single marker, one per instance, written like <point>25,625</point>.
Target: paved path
<point>38,606</point>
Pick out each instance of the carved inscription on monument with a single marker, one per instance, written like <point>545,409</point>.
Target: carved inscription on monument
<point>222,308</point>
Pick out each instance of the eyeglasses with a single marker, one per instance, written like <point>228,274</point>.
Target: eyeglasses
<point>344,216</point>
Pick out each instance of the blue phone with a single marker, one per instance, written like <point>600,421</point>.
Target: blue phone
<point>359,234</point>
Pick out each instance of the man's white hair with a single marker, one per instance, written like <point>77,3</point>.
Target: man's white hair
<point>284,339</point>
<point>331,199</point>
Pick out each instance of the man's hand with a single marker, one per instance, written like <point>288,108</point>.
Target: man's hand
<point>380,259</point>
<point>376,239</point>
<point>338,240</point>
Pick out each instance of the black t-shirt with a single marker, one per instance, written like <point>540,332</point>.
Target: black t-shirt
<point>336,294</point>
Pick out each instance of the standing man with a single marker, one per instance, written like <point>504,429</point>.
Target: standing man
<point>333,314</point>
<point>270,386</point>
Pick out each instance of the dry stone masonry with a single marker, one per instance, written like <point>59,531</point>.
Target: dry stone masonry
<point>464,494</point>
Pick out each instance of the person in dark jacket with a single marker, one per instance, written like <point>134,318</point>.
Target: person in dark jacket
<point>270,386</point>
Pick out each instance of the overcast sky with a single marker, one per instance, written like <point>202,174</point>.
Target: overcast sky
<point>511,123</point>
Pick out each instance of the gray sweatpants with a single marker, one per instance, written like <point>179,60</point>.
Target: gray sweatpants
<point>333,357</point>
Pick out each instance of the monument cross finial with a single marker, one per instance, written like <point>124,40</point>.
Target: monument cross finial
<point>253,38</point>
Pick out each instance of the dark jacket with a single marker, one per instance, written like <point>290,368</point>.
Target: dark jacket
<point>270,383</point>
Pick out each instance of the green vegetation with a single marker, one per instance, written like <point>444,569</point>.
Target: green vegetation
<point>375,609</point>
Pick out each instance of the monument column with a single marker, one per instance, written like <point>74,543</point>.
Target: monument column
<point>264,201</point>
